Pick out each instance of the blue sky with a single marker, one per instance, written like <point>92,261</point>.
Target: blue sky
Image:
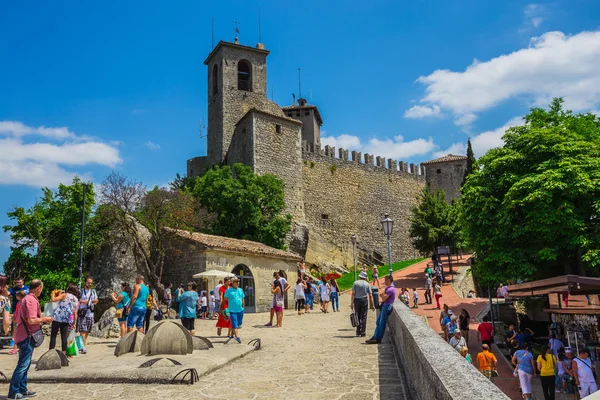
<point>90,87</point>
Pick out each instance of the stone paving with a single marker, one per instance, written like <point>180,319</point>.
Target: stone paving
<point>312,356</point>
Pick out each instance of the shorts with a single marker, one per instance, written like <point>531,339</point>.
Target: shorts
<point>188,323</point>
<point>85,324</point>
<point>136,317</point>
<point>277,309</point>
<point>324,298</point>
<point>203,309</point>
<point>236,319</point>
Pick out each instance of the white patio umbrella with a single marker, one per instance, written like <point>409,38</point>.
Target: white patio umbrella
<point>213,273</point>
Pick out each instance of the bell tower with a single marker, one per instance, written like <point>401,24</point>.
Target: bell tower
<point>237,82</point>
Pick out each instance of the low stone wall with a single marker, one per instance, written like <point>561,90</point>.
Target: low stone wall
<point>433,368</point>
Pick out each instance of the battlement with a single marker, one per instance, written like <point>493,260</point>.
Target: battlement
<point>314,152</point>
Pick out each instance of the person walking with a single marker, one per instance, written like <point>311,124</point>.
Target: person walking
<point>187,307</point>
<point>457,341</point>
<point>387,297</point>
<point>150,306</point>
<point>168,297</point>
<point>277,304</point>
<point>325,290</point>
<point>437,293</point>
<point>334,295</point>
<point>30,321</point>
<point>235,297</point>
<point>89,298</point>
<point>523,361</point>
<point>464,319</point>
<point>218,296</point>
<point>309,295</point>
<point>464,351</point>
<point>137,310</point>
<point>415,298</point>
<point>300,296</point>
<point>546,362</point>
<point>583,372</point>
<point>285,285</point>
<point>486,361</point>
<point>485,332</point>
<point>64,315</point>
<point>223,322</point>
<point>428,283</point>
<point>360,299</point>
<point>375,273</point>
<point>122,301</point>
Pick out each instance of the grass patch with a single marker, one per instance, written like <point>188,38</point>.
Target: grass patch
<point>347,280</point>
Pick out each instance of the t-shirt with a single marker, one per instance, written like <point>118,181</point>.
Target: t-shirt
<point>548,364</point>
<point>485,360</point>
<point>485,330</point>
<point>451,327</point>
<point>234,297</point>
<point>415,295</point>
<point>361,289</point>
<point>65,309</point>
<point>283,282</point>
<point>124,301</point>
<point>446,320</point>
<point>391,292</point>
<point>457,343</point>
<point>523,337</point>
<point>187,304</point>
<point>524,358</point>
<point>89,295</point>
<point>203,301</point>
<point>167,294</point>
<point>217,288</point>
<point>299,291</point>
<point>212,300</point>
<point>428,284</point>
<point>29,308</point>
<point>13,293</point>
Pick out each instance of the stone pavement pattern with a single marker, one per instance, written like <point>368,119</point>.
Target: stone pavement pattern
<point>313,356</point>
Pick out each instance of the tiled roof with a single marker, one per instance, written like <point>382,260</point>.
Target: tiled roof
<point>236,245</point>
<point>448,158</point>
<point>269,113</point>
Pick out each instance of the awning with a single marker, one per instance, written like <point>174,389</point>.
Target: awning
<point>213,273</point>
<point>573,284</point>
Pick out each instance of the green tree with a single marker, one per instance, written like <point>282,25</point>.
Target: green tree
<point>531,208</point>
<point>470,161</point>
<point>46,236</point>
<point>244,205</point>
<point>434,223</point>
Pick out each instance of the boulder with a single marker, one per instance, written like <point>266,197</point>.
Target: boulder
<point>52,359</point>
<point>130,343</point>
<point>160,363</point>
<point>167,337</point>
<point>201,343</point>
<point>107,326</point>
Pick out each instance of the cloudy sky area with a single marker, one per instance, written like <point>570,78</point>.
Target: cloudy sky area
<point>90,88</point>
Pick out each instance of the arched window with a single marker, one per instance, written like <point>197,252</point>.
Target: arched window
<point>215,80</point>
<point>244,76</point>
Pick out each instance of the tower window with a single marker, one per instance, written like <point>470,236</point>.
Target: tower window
<point>324,217</point>
<point>215,80</point>
<point>277,128</point>
<point>244,76</point>
<point>306,113</point>
<point>439,171</point>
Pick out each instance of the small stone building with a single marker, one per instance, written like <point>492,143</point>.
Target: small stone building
<point>254,263</point>
<point>446,173</point>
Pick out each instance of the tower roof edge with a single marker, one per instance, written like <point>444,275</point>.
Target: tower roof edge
<point>234,45</point>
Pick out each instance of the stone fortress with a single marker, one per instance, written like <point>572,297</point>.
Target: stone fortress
<point>330,194</point>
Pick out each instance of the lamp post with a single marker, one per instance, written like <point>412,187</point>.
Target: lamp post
<point>81,236</point>
<point>354,241</point>
<point>388,225</point>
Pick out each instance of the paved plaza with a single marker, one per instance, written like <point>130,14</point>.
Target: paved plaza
<point>312,356</point>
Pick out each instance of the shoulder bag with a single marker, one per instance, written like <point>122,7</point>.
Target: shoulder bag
<point>494,370</point>
<point>38,336</point>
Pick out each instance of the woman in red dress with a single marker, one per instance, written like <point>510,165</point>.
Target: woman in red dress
<point>222,322</point>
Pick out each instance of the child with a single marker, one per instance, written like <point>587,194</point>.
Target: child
<point>203,305</point>
<point>212,304</point>
<point>415,298</point>
<point>20,295</point>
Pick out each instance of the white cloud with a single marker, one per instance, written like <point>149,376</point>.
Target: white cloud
<point>395,148</point>
<point>152,146</point>
<point>418,112</point>
<point>41,163</point>
<point>456,149</point>
<point>554,65</point>
<point>533,15</point>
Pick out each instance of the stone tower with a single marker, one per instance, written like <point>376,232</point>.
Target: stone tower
<point>446,173</point>
<point>237,82</point>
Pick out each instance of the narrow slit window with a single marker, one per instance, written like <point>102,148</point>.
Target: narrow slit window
<point>277,128</point>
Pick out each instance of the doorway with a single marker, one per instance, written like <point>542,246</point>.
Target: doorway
<point>247,284</point>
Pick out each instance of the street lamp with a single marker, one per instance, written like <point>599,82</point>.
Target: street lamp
<point>354,241</point>
<point>388,225</point>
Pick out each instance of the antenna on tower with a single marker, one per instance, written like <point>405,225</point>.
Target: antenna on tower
<point>237,30</point>
<point>259,31</point>
<point>299,86</point>
<point>213,33</point>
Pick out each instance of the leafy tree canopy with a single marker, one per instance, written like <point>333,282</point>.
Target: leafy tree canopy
<point>531,209</point>
<point>244,205</point>
<point>434,223</point>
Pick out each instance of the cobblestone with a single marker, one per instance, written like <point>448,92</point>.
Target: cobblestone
<point>312,356</point>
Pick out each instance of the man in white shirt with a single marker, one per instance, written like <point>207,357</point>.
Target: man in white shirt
<point>457,341</point>
<point>583,373</point>
<point>555,345</point>
<point>218,295</point>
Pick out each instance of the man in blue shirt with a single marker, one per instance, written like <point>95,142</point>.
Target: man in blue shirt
<point>19,285</point>
<point>235,297</point>
<point>187,307</point>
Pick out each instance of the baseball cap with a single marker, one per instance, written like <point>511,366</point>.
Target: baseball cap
<point>450,312</point>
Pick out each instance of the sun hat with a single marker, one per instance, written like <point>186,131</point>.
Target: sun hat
<point>363,275</point>
<point>450,312</point>
<point>457,331</point>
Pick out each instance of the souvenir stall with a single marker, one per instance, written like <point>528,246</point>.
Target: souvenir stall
<point>578,328</point>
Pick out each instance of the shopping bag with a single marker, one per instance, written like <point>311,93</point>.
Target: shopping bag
<point>49,308</point>
<point>79,342</point>
<point>71,344</point>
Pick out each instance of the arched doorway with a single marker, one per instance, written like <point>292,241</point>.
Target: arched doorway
<point>247,283</point>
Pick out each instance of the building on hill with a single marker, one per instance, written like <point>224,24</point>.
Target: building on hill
<point>446,173</point>
<point>331,195</point>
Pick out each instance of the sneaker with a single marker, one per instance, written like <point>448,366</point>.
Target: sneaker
<point>371,341</point>
<point>18,396</point>
<point>363,335</point>
<point>269,324</point>
<point>83,351</point>
<point>237,339</point>
<point>31,394</point>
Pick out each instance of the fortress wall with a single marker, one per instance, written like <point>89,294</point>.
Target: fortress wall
<point>345,197</point>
